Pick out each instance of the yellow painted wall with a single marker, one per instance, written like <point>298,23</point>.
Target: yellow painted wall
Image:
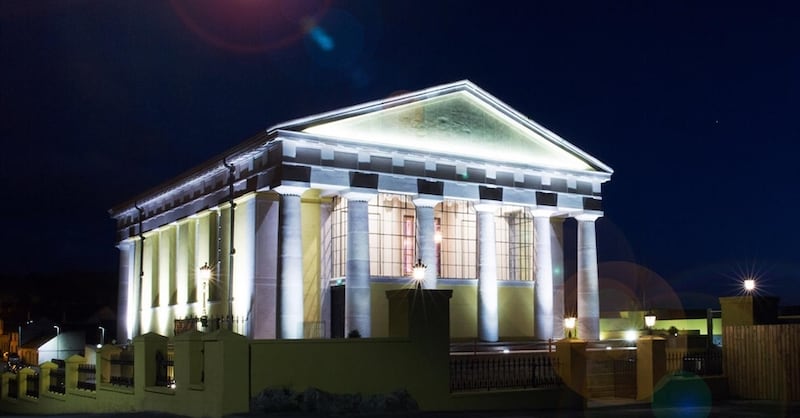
<point>515,310</point>
<point>310,211</point>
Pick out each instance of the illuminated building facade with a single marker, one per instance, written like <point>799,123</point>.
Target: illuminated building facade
<point>303,227</point>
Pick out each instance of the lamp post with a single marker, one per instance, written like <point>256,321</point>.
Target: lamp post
<point>205,275</point>
<point>419,273</point>
<point>58,346</point>
<point>569,324</point>
<point>650,322</point>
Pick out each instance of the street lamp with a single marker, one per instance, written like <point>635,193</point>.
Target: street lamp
<point>569,324</point>
<point>205,275</point>
<point>102,336</point>
<point>749,285</point>
<point>58,346</point>
<point>650,322</point>
<point>419,273</point>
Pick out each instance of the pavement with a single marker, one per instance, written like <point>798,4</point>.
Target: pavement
<point>602,408</point>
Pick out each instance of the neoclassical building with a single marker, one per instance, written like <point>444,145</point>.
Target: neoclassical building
<point>300,230</point>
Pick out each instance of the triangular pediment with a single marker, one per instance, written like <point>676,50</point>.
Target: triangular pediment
<point>456,120</point>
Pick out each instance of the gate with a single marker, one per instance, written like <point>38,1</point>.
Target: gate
<point>611,373</point>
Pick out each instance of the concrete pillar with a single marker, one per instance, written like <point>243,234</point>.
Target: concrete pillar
<point>426,239</point>
<point>264,309</point>
<point>588,289</point>
<point>358,306</point>
<point>487,274</point>
<point>557,255</point>
<point>543,276</point>
<point>290,266</point>
<point>571,355</point>
<point>651,365</point>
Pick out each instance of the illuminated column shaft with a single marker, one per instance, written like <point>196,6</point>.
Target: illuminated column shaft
<point>426,232</point>
<point>487,275</point>
<point>588,289</point>
<point>557,255</point>
<point>543,276</point>
<point>357,292</point>
<point>127,297</point>
<point>290,262</point>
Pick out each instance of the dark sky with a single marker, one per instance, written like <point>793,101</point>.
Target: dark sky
<point>694,105</point>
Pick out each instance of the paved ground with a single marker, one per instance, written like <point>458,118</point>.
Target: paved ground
<point>598,409</point>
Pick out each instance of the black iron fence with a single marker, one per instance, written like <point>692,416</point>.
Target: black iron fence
<point>502,371</point>
<point>165,369</point>
<point>32,389</point>
<point>122,368</point>
<point>13,387</point>
<point>86,377</point>
<point>58,380</point>
<point>701,363</point>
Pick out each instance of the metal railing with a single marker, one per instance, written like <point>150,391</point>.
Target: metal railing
<point>502,371</point>
<point>13,388</point>
<point>33,385</point>
<point>701,363</point>
<point>86,377</point>
<point>165,369</point>
<point>122,368</point>
<point>58,381</point>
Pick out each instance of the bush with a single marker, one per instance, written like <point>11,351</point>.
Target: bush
<point>320,402</point>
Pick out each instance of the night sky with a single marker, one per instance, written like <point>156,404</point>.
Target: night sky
<point>693,104</point>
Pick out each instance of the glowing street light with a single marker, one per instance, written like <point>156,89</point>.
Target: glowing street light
<point>569,324</point>
<point>419,273</point>
<point>749,285</point>
<point>650,322</point>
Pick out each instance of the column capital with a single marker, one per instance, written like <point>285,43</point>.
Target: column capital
<point>587,217</point>
<point>290,190</point>
<point>425,200</point>
<point>540,212</point>
<point>484,206</point>
<point>358,194</point>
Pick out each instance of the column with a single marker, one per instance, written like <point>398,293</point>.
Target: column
<point>487,274</point>
<point>426,239</point>
<point>357,311</point>
<point>290,265</point>
<point>126,304</point>
<point>588,289</point>
<point>557,255</point>
<point>543,275</point>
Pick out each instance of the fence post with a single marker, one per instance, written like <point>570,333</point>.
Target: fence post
<point>103,363</point>
<point>5,377</point>
<point>571,355</point>
<point>44,376</point>
<point>226,367</point>
<point>188,360</point>
<point>71,372</point>
<point>22,381</point>
<point>144,359</point>
<point>651,365</point>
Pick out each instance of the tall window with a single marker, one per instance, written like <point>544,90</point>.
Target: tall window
<point>458,246</point>
<point>339,237</point>
<point>409,245</point>
<point>514,235</point>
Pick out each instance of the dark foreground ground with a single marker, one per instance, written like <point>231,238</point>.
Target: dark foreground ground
<point>609,409</point>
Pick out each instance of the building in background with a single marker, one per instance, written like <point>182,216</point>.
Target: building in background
<point>299,231</point>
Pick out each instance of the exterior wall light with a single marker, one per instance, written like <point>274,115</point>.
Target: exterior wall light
<point>569,324</point>
<point>650,322</point>
<point>419,273</point>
